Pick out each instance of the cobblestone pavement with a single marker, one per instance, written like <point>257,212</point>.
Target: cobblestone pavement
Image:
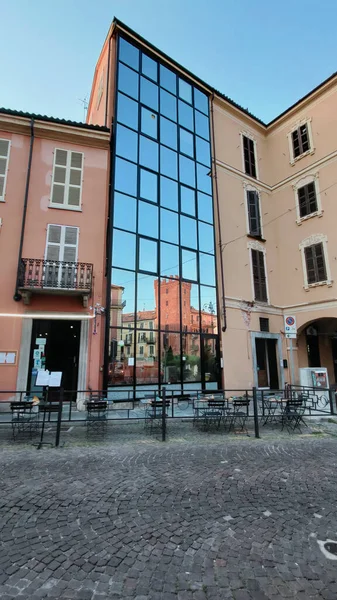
<point>185,520</point>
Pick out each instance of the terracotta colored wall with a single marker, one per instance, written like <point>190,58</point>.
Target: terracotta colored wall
<point>101,114</point>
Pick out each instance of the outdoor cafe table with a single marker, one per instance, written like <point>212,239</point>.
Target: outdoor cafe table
<point>270,406</point>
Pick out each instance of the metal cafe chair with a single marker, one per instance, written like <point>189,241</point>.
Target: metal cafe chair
<point>97,417</point>
<point>239,414</point>
<point>292,415</point>
<point>25,418</point>
<point>154,413</point>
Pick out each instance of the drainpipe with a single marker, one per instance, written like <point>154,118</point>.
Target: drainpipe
<point>17,296</point>
<point>224,327</point>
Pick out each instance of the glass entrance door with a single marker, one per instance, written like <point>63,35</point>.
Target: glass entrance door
<point>210,367</point>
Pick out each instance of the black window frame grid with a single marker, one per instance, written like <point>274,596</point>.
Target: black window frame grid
<point>315,263</point>
<point>307,200</point>
<point>300,140</point>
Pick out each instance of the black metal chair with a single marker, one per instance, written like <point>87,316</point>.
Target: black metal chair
<point>292,416</point>
<point>238,415</point>
<point>97,417</point>
<point>154,414</point>
<point>25,418</point>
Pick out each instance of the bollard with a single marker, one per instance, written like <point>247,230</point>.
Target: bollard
<point>256,415</point>
<point>163,416</point>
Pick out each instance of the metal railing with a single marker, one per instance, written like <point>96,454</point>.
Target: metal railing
<point>36,273</point>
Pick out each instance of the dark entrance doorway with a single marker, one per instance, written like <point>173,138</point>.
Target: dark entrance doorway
<point>266,362</point>
<point>55,347</point>
<point>210,368</point>
<point>334,355</point>
<point>314,359</point>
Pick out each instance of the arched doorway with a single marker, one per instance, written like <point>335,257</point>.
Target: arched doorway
<point>317,345</point>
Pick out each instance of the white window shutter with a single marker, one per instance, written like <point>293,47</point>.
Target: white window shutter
<point>4,157</point>
<point>67,178</point>
<point>71,236</point>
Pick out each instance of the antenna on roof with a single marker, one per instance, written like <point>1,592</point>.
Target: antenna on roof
<point>85,105</point>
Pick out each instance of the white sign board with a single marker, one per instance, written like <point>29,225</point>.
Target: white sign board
<point>36,354</point>
<point>7,358</point>
<point>290,328</point>
<point>40,341</point>
<point>50,379</point>
<point>42,378</point>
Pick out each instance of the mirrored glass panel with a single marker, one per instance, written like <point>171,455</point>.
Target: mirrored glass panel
<point>149,122</point>
<point>186,142</point>
<point>207,269</point>
<point>208,309</point>
<point>186,170</point>
<point>185,91</point>
<point>128,81</point>
<point>205,207</point>
<point>201,101</point>
<point>185,115</point>
<point>170,304</point>
<point>128,54</point>
<point>125,212</point>
<point>168,105</point>
<point>187,200</point>
<point>149,67</point>
<point>122,298</point>
<point>194,303</point>
<point>169,260</point>
<point>123,249</point>
<point>201,125</point>
<point>168,133</point>
<point>121,357</point>
<point>191,357</point>
<point>203,151</point>
<point>169,226</point>
<point>204,179</point>
<point>127,111</point>
<point>146,301</point>
<point>148,255</point>
<point>168,193</point>
<point>127,143</point>
<point>147,219</point>
<point>147,365</point>
<point>148,153</point>
<point>189,264</point>
<point>206,237</point>
<point>168,80</point>
<point>148,185</point>
<point>149,93</point>
<point>188,232</point>
<point>126,177</point>
<point>170,358</point>
<point>168,162</point>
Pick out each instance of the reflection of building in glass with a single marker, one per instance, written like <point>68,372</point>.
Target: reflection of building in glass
<point>163,316</point>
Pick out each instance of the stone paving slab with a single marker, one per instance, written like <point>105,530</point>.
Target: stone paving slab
<point>200,518</point>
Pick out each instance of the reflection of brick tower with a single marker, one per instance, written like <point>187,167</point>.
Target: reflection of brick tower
<point>170,290</point>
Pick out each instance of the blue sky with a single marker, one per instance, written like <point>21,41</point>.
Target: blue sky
<point>263,54</point>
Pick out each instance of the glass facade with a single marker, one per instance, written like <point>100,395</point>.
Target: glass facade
<point>163,307</point>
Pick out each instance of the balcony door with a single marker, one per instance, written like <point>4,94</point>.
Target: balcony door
<point>61,257</point>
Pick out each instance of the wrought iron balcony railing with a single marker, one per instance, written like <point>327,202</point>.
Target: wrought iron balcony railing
<point>52,276</point>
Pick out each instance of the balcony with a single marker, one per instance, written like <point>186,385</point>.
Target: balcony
<point>37,276</point>
<point>150,340</point>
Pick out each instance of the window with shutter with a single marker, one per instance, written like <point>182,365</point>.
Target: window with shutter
<point>4,160</point>
<point>254,219</point>
<point>67,179</point>
<point>61,256</point>
<point>300,140</point>
<point>259,276</point>
<point>315,263</point>
<point>307,199</point>
<point>249,156</point>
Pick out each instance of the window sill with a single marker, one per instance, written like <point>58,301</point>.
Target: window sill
<point>328,283</point>
<point>73,208</point>
<point>294,160</point>
<point>256,237</point>
<point>317,213</point>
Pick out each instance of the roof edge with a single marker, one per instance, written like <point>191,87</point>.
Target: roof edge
<point>37,117</point>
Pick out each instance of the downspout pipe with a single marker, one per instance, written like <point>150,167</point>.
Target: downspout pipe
<point>17,296</point>
<point>224,326</point>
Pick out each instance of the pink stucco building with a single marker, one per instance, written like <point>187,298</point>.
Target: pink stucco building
<point>53,211</point>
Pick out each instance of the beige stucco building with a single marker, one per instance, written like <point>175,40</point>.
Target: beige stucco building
<point>276,188</point>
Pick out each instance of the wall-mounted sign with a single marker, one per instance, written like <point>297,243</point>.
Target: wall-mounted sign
<point>41,349</point>
<point>40,341</point>
<point>36,355</point>
<point>290,328</point>
<point>8,357</point>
